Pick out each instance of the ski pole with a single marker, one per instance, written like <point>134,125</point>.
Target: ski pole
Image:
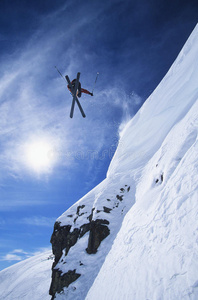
<point>59,72</point>
<point>95,82</point>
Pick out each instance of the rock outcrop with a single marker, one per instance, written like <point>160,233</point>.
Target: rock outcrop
<point>63,239</point>
<point>88,224</point>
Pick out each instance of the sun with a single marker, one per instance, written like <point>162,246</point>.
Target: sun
<point>39,156</point>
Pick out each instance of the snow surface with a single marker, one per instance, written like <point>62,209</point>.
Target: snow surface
<point>155,254</point>
<point>152,251</point>
<point>27,280</point>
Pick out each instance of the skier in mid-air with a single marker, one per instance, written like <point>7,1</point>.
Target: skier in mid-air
<point>79,90</point>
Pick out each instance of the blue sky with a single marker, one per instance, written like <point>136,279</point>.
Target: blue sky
<point>132,44</point>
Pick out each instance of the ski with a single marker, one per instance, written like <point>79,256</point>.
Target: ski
<point>75,98</point>
<point>73,91</point>
<point>80,107</point>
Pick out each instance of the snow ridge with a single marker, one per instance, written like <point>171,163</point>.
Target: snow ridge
<point>154,255</point>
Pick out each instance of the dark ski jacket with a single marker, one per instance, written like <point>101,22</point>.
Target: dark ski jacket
<point>80,90</point>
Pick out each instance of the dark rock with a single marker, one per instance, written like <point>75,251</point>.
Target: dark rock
<point>90,217</point>
<point>63,239</point>
<point>78,210</point>
<point>116,204</point>
<point>106,209</point>
<point>122,190</point>
<point>98,232</point>
<point>72,238</point>
<point>119,197</point>
<point>128,189</point>
<point>60,280</point>
<point>162,177</point>
<point>75,219</point>
<point>84,229</point>
<point>59,240</point>
<point>69,216</point>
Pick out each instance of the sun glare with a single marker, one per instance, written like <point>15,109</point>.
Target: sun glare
<point>40,156</point>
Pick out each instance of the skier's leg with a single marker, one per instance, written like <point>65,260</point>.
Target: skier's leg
<point>85,92</point>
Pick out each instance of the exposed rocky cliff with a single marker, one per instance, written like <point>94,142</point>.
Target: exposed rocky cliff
<point>81,230</point>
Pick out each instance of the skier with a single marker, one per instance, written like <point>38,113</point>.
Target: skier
<point>80,90</point>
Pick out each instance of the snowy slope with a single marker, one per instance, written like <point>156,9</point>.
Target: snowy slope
<point>155,254</point>
<point>29,279</point>
<point>151,150</point>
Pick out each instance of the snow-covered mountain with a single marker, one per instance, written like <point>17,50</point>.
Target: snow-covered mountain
<point>155,254</point>
<point>135,236</point>
<point>28,279</point>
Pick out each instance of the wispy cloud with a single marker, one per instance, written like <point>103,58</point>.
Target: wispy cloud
<point>35,103</point>
<point>19,251</point>
<point>12,257</point>
<point>15,255</point>
<point>9,203</point>
<point>39,221</point>
<point>43,249</point>
<point>20,254</point>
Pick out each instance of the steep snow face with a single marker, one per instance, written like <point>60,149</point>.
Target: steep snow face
<point>155,254</point>
<point>153,179</point>
<point>29,279</point>
<point>167,105</point>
